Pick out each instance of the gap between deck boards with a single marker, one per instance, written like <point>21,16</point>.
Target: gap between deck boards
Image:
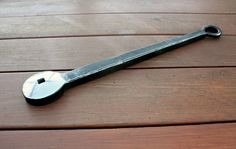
<point>128,68</point>
<point>123,127</point>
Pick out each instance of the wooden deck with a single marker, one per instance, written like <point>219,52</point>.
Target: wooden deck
<point>185,98</point>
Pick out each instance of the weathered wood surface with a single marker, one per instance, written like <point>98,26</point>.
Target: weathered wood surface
<point>194,84</point>
<point>127,98</point>
<point>52,7</point>
<point>111,24</point>
<point>215,136</point>
<point>70,53</point>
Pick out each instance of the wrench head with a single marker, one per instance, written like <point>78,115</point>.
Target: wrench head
<point>43,88</point>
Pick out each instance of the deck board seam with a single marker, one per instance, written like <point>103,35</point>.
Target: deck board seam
<point>128,68</point>
<point>98,35</point>
<point>105,13</point>
<point>122,127</point>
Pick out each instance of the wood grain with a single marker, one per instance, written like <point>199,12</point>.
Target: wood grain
<point>70,53</point>
<point>63,34</point>
<point>216,136</point>
<point>50,7</point>
<point>111,24</point>
<point>127,98</point>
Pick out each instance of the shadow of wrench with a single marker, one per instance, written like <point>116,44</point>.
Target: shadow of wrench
<point>44,87</point>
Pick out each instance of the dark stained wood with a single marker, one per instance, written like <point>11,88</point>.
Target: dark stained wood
<point>111,24</point>
<point>64,34</point>
<point>49,7</point>
<point>216,136</point>
<point>127,98</point>
<point>69,53</point>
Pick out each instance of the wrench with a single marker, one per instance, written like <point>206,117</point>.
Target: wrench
<point>45,87</point>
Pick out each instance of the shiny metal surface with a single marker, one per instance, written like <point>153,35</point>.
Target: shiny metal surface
<point>44,87</point>
<point>41,86</point>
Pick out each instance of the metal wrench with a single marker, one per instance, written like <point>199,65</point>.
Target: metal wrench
<point>44,87</point>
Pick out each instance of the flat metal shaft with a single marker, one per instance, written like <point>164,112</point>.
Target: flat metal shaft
<point>115,63</point>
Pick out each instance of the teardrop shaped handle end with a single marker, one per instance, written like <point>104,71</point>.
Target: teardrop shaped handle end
<point>212,30</point>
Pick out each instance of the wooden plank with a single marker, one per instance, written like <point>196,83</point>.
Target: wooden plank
<point>50,7</point>
<point>111,24</point>
<point>215,136</point>
<point>69,53</point>
<point>127,98</point>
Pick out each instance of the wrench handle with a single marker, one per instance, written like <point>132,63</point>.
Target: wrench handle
<point>115,63</point>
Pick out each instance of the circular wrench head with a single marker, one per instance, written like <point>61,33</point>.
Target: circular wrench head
<point>43,88</point>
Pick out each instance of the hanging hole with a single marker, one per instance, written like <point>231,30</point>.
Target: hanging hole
<point>212,31</point>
